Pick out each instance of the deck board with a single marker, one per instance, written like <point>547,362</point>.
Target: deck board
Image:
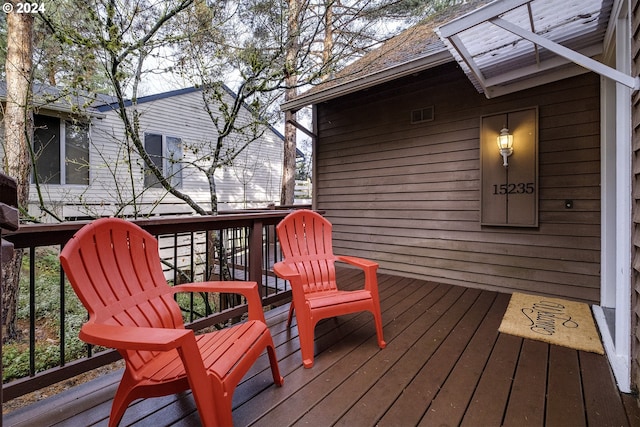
<point>430,348</point>
<point>399,371</point>
<point>343,354</point>
<point>445,364</point>
<point>453,399</point>
<point>491,395</point>
<point>565,402</point>
<point>602,408</point>
<point>370,376</point>
<point>526,405</point>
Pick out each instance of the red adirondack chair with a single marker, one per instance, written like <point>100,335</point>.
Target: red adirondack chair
<point>114,268</point>
<point>309,265</point>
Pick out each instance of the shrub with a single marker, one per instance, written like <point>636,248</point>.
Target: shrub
<point>15,355</point>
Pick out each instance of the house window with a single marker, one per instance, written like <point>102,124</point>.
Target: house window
<point>61,150</point>
<point>166,154</point>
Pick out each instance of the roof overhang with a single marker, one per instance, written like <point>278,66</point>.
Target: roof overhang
<point>511,45</point>
<point>507,46</point>
<point>55,101</point>
<point>374,79</point>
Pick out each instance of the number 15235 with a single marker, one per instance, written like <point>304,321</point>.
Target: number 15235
<point>514,188</point>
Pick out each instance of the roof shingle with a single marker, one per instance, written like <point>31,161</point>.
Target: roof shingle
<point>415,43</point>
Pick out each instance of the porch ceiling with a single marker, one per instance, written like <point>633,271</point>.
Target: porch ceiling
<point>510,45</point>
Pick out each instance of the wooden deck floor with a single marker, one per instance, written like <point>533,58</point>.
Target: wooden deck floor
<point>445,364</point>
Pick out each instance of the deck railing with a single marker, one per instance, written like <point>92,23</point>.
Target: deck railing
<point>193,248</point>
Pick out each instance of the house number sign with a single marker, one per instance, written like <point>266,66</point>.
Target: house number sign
<point>509,169</point>
<point>515,188</point>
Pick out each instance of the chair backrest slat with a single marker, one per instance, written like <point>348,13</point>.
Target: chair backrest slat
<point>305,238</point>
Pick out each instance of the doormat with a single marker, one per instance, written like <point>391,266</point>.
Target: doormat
<point>552,320</point>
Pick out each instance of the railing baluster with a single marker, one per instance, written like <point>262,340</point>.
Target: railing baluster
<point>32,311</point>
<point>191,302</point>
<point>62,309</point>
<point>246,250</point>
<point>175,259</point>
<point>233,238</point>
<point>264,263</point>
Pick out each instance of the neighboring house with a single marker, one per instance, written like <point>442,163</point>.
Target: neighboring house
<point>407,167</point>
<point>88,168</point>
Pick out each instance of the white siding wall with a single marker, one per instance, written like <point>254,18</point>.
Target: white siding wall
<point>253,181</point>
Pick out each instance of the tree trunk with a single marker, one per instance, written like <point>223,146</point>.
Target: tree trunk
<point>18,126</point>
<point>291,81</point>
<point>289,160</point>
<point>327,45</point>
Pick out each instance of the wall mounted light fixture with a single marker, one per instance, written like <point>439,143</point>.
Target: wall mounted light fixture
<point>509,193</point>
<point>505,145</point>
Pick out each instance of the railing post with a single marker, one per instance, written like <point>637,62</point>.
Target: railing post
<point>255,254</point>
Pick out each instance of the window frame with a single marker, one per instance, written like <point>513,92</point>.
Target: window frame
<point>168,168</point>
<point>62,150</point>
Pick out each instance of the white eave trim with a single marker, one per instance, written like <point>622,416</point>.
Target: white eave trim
<point>490,13</point>
<point>370,80</point>
<point>575,57</point>
<point>479,16</point>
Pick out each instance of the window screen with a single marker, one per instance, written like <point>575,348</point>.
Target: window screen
<point>153,146</point>
<point>76,153</point>
<point>46,149</point>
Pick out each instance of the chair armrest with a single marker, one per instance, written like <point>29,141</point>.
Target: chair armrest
<point>358,262</point>
<point>249,290</point>
<point>369,267</point>
<point>134,338</point>
<point>284,271</point>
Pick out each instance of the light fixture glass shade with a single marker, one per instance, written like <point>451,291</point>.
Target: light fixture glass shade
<point>505,145</point>
<point>505,140</point>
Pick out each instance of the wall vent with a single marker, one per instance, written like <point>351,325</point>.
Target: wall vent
<point>422,115</point>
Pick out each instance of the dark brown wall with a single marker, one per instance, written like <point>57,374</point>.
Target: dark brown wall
<point>408,195</point>
<point>635,300</point>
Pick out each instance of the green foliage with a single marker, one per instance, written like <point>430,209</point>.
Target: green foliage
<point>195,306</point>
<point>47,291</point>
<point>15,355</point>
<point>15,359</point>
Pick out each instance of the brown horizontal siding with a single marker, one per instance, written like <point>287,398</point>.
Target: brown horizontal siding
<point>635,297</point>
<point>409,195</point>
